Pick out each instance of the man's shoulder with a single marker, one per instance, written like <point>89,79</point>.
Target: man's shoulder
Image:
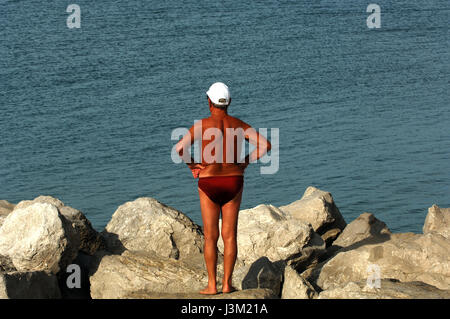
<point>238,122</point>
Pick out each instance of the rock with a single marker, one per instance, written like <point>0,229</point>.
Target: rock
<point>437,221</point>
<point>148,225</point>
<point>266,231</point>
<point>38,238</point>
<point>405,257</point>
<point>363,227</point>
<point>261,274</point>
<point>5,208</point>
<point>295,286</point>
<point>118,276</point>
<point>6,264</point>
<point>90,239</point>
<point>317,208</point>
<point>41,199</point>
<point>28,285</point>
<point>389,289</point>
<point>239,294</point>
<point>268,240</point>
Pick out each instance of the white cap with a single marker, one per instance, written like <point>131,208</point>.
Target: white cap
<point>219,94</point>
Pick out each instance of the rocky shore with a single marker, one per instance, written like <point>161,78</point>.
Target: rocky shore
<point>150,250</point>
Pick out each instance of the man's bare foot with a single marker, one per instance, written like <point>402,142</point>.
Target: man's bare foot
<point>209,291</point>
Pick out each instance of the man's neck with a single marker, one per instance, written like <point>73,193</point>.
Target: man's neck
<point>216,112</point>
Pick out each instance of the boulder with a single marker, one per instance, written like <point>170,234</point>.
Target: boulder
<point>119,276</point>
<point>389,289</point>
<point>363,227</point>
<point>260,274</point>
<point>90,239</point>
<point>437,221</point>
<point>405,257</point>
<point>268,240</point>
<point>28,285</point>
<point>148,225</point>
<point>295,286</point>
<point>267,231</point>
<point>38,238</point>
<point>317,208</point>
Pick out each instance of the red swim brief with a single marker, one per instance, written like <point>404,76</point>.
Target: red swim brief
<point>221,189</point>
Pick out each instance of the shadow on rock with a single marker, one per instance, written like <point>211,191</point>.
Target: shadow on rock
<point>113,243</point>
<point>264,274</point>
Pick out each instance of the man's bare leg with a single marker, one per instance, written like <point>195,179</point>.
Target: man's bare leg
<point>230,212</point>
<point>210,217</point>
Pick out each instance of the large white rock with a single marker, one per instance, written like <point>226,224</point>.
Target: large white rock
<point>389,289</point>
<point>268,240</point>
<point>363,227</point>
<point>437,221</point>
<point>148,225</point>
<point>38,238</point>
<point>317,208</point>
<point>405,257</point>
<point>90,239</point>
<point>119,276</point>
<point>267,231</point>
<point>28,285</point>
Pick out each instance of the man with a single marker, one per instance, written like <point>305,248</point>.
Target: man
<point>221,178</point>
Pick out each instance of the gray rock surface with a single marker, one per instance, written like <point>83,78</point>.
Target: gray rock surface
<point>260,274</point>
<point>389,289</point>
<point>269,239</point>
<point>317,208</point>
<point>295,286</point>
<point>363,227</point>
<point>437,221</point>
<point>405,257</point>
<point>148,225</point>
<point>37,237</point>
<point>118,276</point>
<point>28,285</point>
<point>266,231</point>
<point>90,239</point>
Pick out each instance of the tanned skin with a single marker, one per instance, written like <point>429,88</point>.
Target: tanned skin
<point>210,210</point>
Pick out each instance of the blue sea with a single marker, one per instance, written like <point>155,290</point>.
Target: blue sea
<point>86,114</point>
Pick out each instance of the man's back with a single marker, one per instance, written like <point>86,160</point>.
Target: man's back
<point>221,136</point>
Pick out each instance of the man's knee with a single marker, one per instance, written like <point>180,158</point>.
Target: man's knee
<point>211,235</point>
<point>228,234</point>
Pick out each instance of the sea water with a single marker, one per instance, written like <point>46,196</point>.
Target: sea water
<point>86,114</point>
